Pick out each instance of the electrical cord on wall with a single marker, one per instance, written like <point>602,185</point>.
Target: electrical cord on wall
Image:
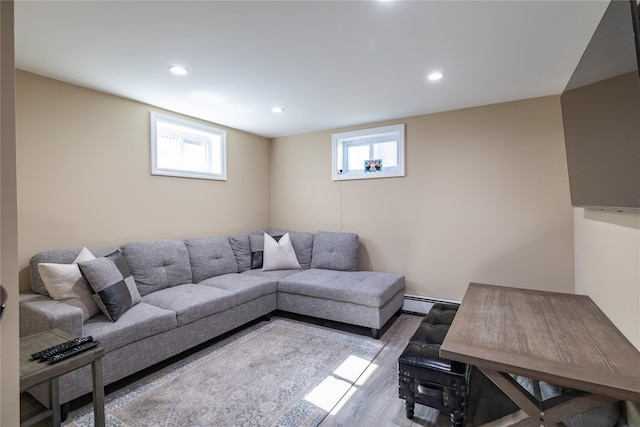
<point>339,205</point>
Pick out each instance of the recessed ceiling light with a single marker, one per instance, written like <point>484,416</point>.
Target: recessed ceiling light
<point>277,109</point>
<point>179,70</point>
<point>436,75</point>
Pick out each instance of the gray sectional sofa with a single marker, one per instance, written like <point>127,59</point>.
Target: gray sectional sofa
<point>182,293</point>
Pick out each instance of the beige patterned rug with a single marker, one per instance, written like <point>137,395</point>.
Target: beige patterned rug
<point>277,373</point>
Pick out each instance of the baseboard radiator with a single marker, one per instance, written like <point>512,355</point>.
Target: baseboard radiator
<point>416,304</point>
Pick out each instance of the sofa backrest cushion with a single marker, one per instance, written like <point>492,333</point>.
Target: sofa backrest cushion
<point>242,249</point>
<point>303,245</point>
<point>210,257</point>
<point>59,256</point>
<point>335,251</point>
<point>158,265</point>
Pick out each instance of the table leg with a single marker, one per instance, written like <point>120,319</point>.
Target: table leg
<point>576,404</point>
<point>541,414</point>
<point>515,392</point>
<point>98,393</point>
<point>54,401</point>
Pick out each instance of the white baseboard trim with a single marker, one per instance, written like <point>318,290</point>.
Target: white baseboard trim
<point>421,305</point>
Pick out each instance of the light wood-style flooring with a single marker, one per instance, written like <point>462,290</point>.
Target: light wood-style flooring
<point>376,402</point>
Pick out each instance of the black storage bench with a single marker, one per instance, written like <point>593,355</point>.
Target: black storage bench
<point>426,378</point>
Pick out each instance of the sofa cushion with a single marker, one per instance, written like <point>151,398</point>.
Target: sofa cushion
<point>192,302</point>
<point>58,256</point>
<point>210,257</point>
<point>279,255</point>
<point>272,275</point>
<point>244,286</point>
<point>368,288</point>
<point>242,249</point>
<point>303,245</point>
<point>139,322</point>
<point>158,265</point>
<point>335,251</point>
<point>65,282</point>
<point>114,289</point>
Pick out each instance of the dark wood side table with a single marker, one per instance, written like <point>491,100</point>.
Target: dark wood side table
<point>33,373</point>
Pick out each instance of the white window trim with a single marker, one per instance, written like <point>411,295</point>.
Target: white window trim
<point>338,162</point>
<point>155,170</point>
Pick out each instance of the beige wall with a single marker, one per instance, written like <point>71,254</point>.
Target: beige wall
<point>485,198</point>
<point>607,252</point>
<point>9,355</point>
<point>607,262</point>
<point>84,175</point>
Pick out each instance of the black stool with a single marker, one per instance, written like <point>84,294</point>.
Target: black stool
<point>426,378</point>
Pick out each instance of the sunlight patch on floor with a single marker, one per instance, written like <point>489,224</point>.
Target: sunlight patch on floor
<point>351,368</point>
<point>337,388</point>
<point>327,393</point>
<point>342,401</point>
<point>366,374</point>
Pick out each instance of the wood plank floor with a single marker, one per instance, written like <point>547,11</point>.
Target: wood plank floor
<point>376,402</point>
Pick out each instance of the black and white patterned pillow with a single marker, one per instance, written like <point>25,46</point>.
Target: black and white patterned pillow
<point>114,289</point>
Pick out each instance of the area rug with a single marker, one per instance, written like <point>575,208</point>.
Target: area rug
<point>277,373</point>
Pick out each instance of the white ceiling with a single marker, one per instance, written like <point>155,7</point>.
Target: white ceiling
<point>330,64</point>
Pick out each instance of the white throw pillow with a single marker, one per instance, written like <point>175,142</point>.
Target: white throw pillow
<point>279,255</point>
<point>64,282</point>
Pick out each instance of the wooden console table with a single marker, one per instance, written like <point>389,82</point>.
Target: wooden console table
<point>33,373</point>
<point>563,339</point>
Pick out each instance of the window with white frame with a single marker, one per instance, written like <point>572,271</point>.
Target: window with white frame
<point>368,153</point>
<point>187,149</point>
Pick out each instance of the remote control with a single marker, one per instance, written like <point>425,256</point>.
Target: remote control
<point>75,350</point>
<point>48,352</point>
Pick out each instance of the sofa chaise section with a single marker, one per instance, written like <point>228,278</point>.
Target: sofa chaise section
<point>331,287</point>
<point>362,298</point>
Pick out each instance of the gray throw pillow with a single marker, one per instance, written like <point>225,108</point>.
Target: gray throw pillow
<point>114,287</point>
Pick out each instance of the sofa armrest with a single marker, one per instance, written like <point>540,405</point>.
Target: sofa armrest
<point>39,313</point>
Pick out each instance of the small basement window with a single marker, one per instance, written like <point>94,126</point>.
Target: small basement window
<point>187,149</point>
<point>368,153</point>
